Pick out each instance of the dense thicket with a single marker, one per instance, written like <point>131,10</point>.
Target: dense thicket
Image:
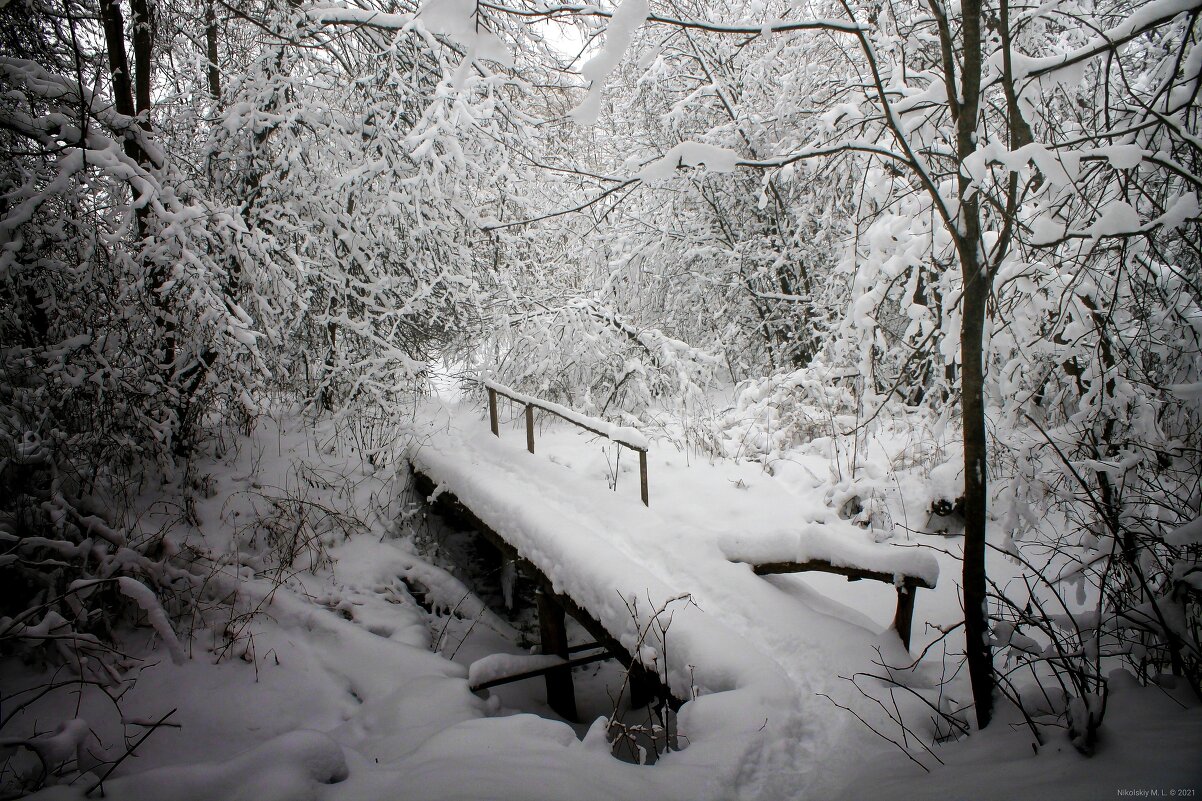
<point>204,208</point>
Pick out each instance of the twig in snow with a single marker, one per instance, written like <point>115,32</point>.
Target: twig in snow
<point>149,731</point>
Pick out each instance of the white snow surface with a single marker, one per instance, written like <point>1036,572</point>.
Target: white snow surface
<point>619,33</point>
<point>333,692</point>
<point>690,154</point>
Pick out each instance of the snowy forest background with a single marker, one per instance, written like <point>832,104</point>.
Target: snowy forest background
<point>737,226</point>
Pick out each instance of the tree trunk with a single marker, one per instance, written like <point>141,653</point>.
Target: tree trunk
<point>976,276</point>
<point>119,72</point>
<point>142,48</point>
<point>211,52</point>
<point>127,88</point>
<point>976,496</point>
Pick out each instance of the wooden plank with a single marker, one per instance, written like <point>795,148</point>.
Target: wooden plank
<point>903,620</point>
<point>533,674</point>
<point>642,686</point>
<point>532,404</point>
<point>448,506</point>
<point>644,683</point>
<point>553,640</point>
<point>583,646</point>
<point>822,566</point>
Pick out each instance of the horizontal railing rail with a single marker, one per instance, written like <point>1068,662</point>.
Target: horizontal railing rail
<point>622,435</point>
<point>905,584</point>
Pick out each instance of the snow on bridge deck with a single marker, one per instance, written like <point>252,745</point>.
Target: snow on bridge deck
<point>751,652</point>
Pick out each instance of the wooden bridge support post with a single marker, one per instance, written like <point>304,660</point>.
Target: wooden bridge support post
<point>642,688</point>
<point>529,428</point>
<point>492,412</point>
<point>904,618</point>
<point>643,477</point>
<point>553,634</point>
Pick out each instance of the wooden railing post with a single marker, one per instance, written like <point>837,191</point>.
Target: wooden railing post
<point>492,412</point>
<point>904,619</point>
<point>530,427</point>
<point>643,477</point>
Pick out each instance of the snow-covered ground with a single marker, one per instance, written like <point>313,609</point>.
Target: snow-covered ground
<point>341,685</point>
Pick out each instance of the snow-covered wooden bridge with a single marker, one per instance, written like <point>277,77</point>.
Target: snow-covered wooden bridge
<point>671,589</point>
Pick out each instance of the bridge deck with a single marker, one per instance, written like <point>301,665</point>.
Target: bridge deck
<point>732,636</point>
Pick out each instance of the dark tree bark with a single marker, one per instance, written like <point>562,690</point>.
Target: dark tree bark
<point>211,52</point>
<point>128,88</point>
<point>976,484</point>
<point>142,50</point>
<point>119,72</point>
<point>977,278</point>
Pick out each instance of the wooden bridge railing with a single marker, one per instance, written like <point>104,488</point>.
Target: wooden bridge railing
<point>626,437</point>
<point>906,585</point>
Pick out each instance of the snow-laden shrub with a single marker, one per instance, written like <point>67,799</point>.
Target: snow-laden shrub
<point>118,340</point>
<point>75,584</point>
<point>775,413</point>
<point>588,357</point>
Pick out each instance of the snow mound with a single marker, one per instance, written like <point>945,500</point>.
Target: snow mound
<point>292,767</point>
